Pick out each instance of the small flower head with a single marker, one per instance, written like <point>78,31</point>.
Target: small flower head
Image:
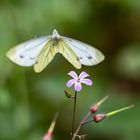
<point>96,106</point>
<point>77,80</point>
<point>68,94</point>
<point>99,117</point>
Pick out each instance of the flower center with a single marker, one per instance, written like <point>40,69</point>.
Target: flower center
<point>78,80</point>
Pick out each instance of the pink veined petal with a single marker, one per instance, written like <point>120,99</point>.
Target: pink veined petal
<point>73,74</point>
<point>77,86</point>
<point>70,83</point>
<point>86,81</point>
<point>83,75</point>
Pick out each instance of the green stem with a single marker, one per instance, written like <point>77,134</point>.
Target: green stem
<point>74,110</point>
<point>102,100</point>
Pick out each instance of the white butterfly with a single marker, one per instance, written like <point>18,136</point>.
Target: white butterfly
<point>40,52</point>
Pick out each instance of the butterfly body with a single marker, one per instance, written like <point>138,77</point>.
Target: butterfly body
<point>41,51</point>
<point>55,37</point>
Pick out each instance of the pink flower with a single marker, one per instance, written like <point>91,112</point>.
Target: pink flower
<point>77,80</point>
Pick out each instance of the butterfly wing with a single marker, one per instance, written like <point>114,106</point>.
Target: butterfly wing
<point>45,57</point>
<point>25,54</point>
<point>69,54</point>
<point>87,54</point>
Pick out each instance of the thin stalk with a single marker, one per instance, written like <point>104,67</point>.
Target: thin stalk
<point>87,122</point>
<point>74,110</point>
<point>119,110</point>
<point>102,100</point>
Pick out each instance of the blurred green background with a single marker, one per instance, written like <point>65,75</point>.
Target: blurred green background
<point>28,100</point>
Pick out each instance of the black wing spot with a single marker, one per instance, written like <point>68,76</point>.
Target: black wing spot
<point>36,62</point>
<point>80,57</point>
<point>77,59</point>
<point>70,40</point>
<point>21,56</point>
<point>32,58</point>
<point>89,57</point>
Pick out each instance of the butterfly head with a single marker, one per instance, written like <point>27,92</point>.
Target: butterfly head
<point>55,36</point>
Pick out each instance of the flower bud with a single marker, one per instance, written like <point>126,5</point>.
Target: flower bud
<point>95,107</point>
<point>68,94</point>
<point>48,136</point>
<point>99,117</point>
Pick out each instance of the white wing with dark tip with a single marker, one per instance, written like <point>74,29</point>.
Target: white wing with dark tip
<point>25,54</point>
<point>69,54</point>
<point>87,54</point>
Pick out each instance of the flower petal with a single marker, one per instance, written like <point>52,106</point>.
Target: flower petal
<point>77,86</point>
<point>73,74</point>
<point>83,75</point>
<point>70,83</point>
<point>86,81</point>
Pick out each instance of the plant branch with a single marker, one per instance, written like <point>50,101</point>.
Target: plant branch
<point>80,125</point>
